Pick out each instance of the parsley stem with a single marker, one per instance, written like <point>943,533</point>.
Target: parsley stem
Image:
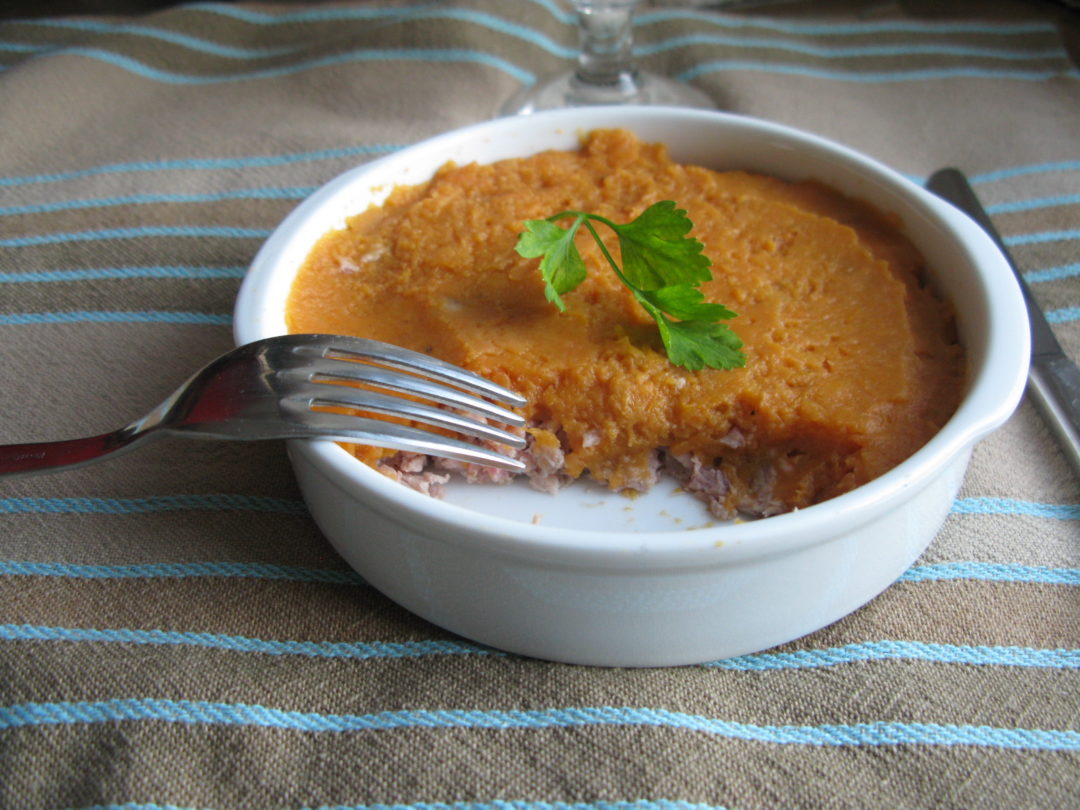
<point>583,215</point>
<point>607,255</point>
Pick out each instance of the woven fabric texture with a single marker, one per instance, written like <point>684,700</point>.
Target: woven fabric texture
<point>176,633</point>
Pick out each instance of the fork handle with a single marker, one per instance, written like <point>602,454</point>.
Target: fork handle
<point>27,459</point>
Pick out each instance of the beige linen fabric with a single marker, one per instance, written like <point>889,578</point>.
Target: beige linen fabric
<point>174,631</point>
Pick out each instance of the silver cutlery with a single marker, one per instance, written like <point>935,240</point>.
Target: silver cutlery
<point>1054,379</point>
<point>280,388</point>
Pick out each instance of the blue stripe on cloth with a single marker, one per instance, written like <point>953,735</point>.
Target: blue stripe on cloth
<point>875,77</point>
<point>215,164</point>
<point>161,503</point>
<point>848,29</point>
<point>825,51</point>
<point>22,47</point>
<point>961,506</point>
<point>288,193</point>
<point>1040,237</point>
<point>184,231</point>
<point>180,570</point>
<point>1063,315</point>
<point>244,644</point>
<point>992,572</point>
<point>205,164</point>
<point>479,18</point>
<point>161,34</point>
<point>332,14</point>
<point>96,273</point>
<point>198,712</point>
<point>1033,204</point>
<point>446,55</point>
<point>930,572</point>
<point>905,651</point>
<point>299,192</point>
<point>1018,171</point>
<point>1052,273</point>
<point>100,316</point>
<point>800,659</point>
<point>1013,506</point>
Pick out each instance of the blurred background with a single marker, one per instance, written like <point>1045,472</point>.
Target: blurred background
<point>1069,15</point>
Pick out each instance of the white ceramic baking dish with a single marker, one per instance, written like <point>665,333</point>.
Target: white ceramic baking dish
<point>589,577</point>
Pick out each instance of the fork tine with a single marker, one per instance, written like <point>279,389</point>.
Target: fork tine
<point>349,428</point>
<point>322,394</point>
<point>329,370</point>
<point>352,348</point>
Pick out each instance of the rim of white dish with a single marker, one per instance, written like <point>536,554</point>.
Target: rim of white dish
<point>994,389</point>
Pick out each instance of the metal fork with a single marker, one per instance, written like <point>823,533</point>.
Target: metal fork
<point>275,388</point>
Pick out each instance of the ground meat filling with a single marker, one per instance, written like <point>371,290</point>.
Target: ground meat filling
<point>852,361</point>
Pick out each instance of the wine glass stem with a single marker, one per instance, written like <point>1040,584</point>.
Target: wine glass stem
<point>606,57</point>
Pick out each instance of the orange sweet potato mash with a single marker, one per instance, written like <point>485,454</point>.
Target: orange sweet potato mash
<point>852,361</point>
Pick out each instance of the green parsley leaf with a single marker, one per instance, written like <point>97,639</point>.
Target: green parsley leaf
<point>561,264</point>
<point>696,344</point>
<point>656,252</point>
<point>686,303</point>
<point>662,266</point>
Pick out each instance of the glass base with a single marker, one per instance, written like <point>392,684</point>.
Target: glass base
<point>566,90</point>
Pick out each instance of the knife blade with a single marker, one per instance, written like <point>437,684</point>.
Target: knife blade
<point>1053,379</point>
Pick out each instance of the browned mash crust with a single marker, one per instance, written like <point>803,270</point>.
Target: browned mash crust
<point>852,362</point>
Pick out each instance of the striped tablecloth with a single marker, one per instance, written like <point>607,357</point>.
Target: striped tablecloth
<point>174,632</point>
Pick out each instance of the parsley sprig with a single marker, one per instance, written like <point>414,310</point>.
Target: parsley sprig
<point>662,267</point>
